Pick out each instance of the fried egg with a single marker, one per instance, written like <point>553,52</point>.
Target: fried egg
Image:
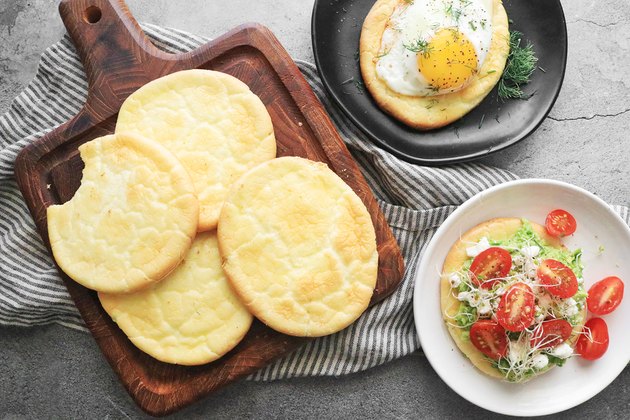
<point>434,47</point>
<point>428,63</point>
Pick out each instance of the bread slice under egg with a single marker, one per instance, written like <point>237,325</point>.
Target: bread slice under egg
<point>430,112</point>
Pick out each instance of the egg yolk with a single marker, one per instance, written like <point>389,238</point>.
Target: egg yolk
<point>449,60</point>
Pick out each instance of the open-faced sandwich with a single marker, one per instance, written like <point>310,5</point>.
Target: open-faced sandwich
<point>429,62</point>
<point>513,298</point>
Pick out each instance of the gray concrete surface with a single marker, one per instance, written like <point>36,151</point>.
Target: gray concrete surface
<point>54,372</point>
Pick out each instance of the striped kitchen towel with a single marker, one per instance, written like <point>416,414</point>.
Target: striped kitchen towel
<point>414,199</point>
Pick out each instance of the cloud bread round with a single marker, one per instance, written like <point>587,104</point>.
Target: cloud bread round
<point>189,318</point>
<point>495,229</point>
<point>211,121</point>
<point>424,112</point>
<point>131,221</point>
<point>299,247</point>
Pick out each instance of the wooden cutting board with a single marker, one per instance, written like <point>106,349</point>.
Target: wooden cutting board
<point>118,59</point>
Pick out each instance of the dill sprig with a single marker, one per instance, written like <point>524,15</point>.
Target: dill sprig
<point>431,103</point>
<point>419,46</point>
<point>521,63</point>
<point>360,86</point>
<point>453,12</point>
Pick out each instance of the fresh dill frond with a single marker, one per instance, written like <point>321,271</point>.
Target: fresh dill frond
<point>419,46</point>
<point>509,92</point>
<point>521,63</point>
<point>432,102</point>
<point>360,86</point>
<point>455,33</point>
<point>453,12</point>
<point>472,25</point>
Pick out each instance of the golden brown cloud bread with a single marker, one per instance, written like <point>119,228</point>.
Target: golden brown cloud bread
<point>499,229</point>
<point>189,318</point>
<point>299,247</point>
<point>430,112</point>
<point>132,219</point>
<point>211,121</point>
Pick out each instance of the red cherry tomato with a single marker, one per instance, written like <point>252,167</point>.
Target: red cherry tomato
<point>559,279</point>
<point>516,308</point>
<point>489,265</point>
<point>489,338</point>
<point>560,223</point>
<point>551,333</point>
<point>605,295</point>
<point>593,342</point>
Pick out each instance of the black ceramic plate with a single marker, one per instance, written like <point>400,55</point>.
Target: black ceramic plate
<point>491,126</point>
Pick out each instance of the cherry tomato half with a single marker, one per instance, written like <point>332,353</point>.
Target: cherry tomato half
<point>489,338</point>
<point>490,264</point>
<point>593,342</point>
<point>516,308</point>
<point>559,279</point>
<point>605,295</point>
<point>560,223</point>
<point>551,333</point>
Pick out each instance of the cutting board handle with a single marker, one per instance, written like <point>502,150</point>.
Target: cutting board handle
<point>114,50</point>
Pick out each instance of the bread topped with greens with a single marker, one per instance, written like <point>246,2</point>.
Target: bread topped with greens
<point>512,298</point>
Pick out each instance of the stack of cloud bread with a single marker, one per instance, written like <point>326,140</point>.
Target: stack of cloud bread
<point>295,246</point>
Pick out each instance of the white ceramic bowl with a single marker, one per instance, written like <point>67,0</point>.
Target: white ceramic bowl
<point>562,387</point>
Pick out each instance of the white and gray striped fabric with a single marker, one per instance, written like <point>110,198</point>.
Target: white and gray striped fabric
<point>414,199</point>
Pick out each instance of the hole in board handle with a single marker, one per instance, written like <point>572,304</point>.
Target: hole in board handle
<point>92,14</point>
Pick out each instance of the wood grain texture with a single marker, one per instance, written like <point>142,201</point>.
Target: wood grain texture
<point>118,59</point>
